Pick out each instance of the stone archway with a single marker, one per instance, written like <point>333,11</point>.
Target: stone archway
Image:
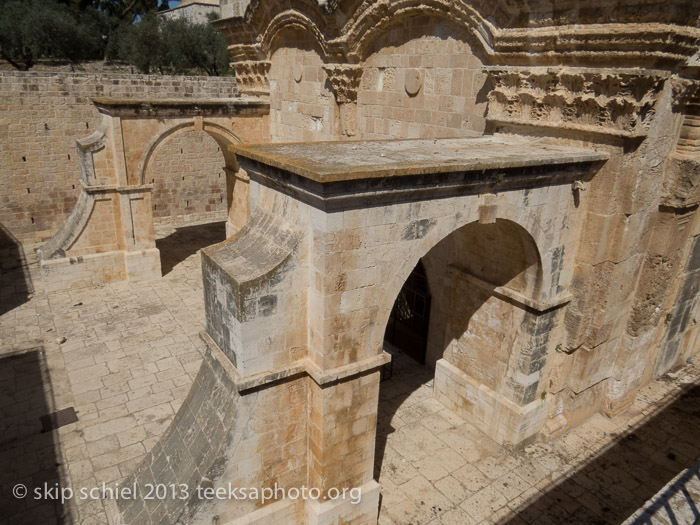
<point>297,304</point>
<point>110,233</point>
<point>237,182</point>
<point>482,271</point>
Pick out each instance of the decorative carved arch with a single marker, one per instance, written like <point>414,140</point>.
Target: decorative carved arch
<point>287,20</point>
<point>349,42</point>
<point>505,29</point>
<point>220,134</point>
<point>370,23</point>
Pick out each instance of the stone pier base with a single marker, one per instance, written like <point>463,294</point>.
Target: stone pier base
<point>90,270</point>
<point>505,422</point>
<point>346,510</point>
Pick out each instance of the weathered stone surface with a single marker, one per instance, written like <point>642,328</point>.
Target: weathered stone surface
<point>110,233</point>
<point>559,255</point>
<point>344,161</point>
<point>44,113</point>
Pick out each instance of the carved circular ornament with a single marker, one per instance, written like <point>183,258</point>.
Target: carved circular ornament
<point>298,72</point>
<point>414,81</point>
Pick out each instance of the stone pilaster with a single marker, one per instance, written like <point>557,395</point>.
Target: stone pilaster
<point>516,411</point>
<point>238,198</point>
<point>345,81</point>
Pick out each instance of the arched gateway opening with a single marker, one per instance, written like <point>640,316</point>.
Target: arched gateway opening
<point>189,201</point>
<point>110,235</point>
<point>193,206</point>
<point>455,332</point>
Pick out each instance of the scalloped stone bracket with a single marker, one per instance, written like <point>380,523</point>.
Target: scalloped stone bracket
<point>609,102</point>
<point>252,76</point>
<point>344,80</point>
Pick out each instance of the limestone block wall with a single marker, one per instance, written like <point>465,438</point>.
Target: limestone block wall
<point>189,180</point>
<point>249,286</point>
<point>435,58</point>
<point>420,80</point>
<point>231,8</point>
<point>194,12</point>
<point>42,114</point>
<point>598,78</point>
<point>520,256</point>
<point>101,236</point>
<point>633,273</point>
<point>302,108</point>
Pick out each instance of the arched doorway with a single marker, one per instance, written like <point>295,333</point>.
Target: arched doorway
<point>407,328</point>
<point>434,421</point>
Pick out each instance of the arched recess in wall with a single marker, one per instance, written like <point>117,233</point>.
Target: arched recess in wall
<point>429,70</point>
<point>223,137</point>
<point>233,191</point>
<point>302,107</point>
<point>482,263</point>
<point>277,30</point>
<point>375,21</point>
<point>504,255</point>
<point>474,277</point>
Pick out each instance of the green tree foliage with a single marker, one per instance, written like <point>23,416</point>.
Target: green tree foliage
<point>126,9</point>
<point>176,46</point>
<point>34,29</point>
<point>122,10</point>
<point>126,30</point>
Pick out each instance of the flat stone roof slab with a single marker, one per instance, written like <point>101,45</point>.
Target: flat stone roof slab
<point>351,160</point>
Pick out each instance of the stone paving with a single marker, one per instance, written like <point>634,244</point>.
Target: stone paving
<point>435,468</point>
<point>130,354</point>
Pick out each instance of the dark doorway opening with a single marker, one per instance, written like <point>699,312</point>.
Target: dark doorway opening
<point>407,328</point>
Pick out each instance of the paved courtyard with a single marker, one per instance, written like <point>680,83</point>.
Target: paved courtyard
<point>434,467</point>
<point>131,352</point>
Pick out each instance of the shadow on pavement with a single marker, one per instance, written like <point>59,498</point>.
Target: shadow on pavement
<point>187,241</point>
<point>15,281</point>
<point>28,449</point>
<point>637,465</point>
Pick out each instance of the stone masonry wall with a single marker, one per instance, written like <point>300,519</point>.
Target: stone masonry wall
<point>231,8</point>
<point>190,182</point>
<point>302,108</point>
<point>42,115</point>
<point>449,102</point>
<point>194,13</point>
